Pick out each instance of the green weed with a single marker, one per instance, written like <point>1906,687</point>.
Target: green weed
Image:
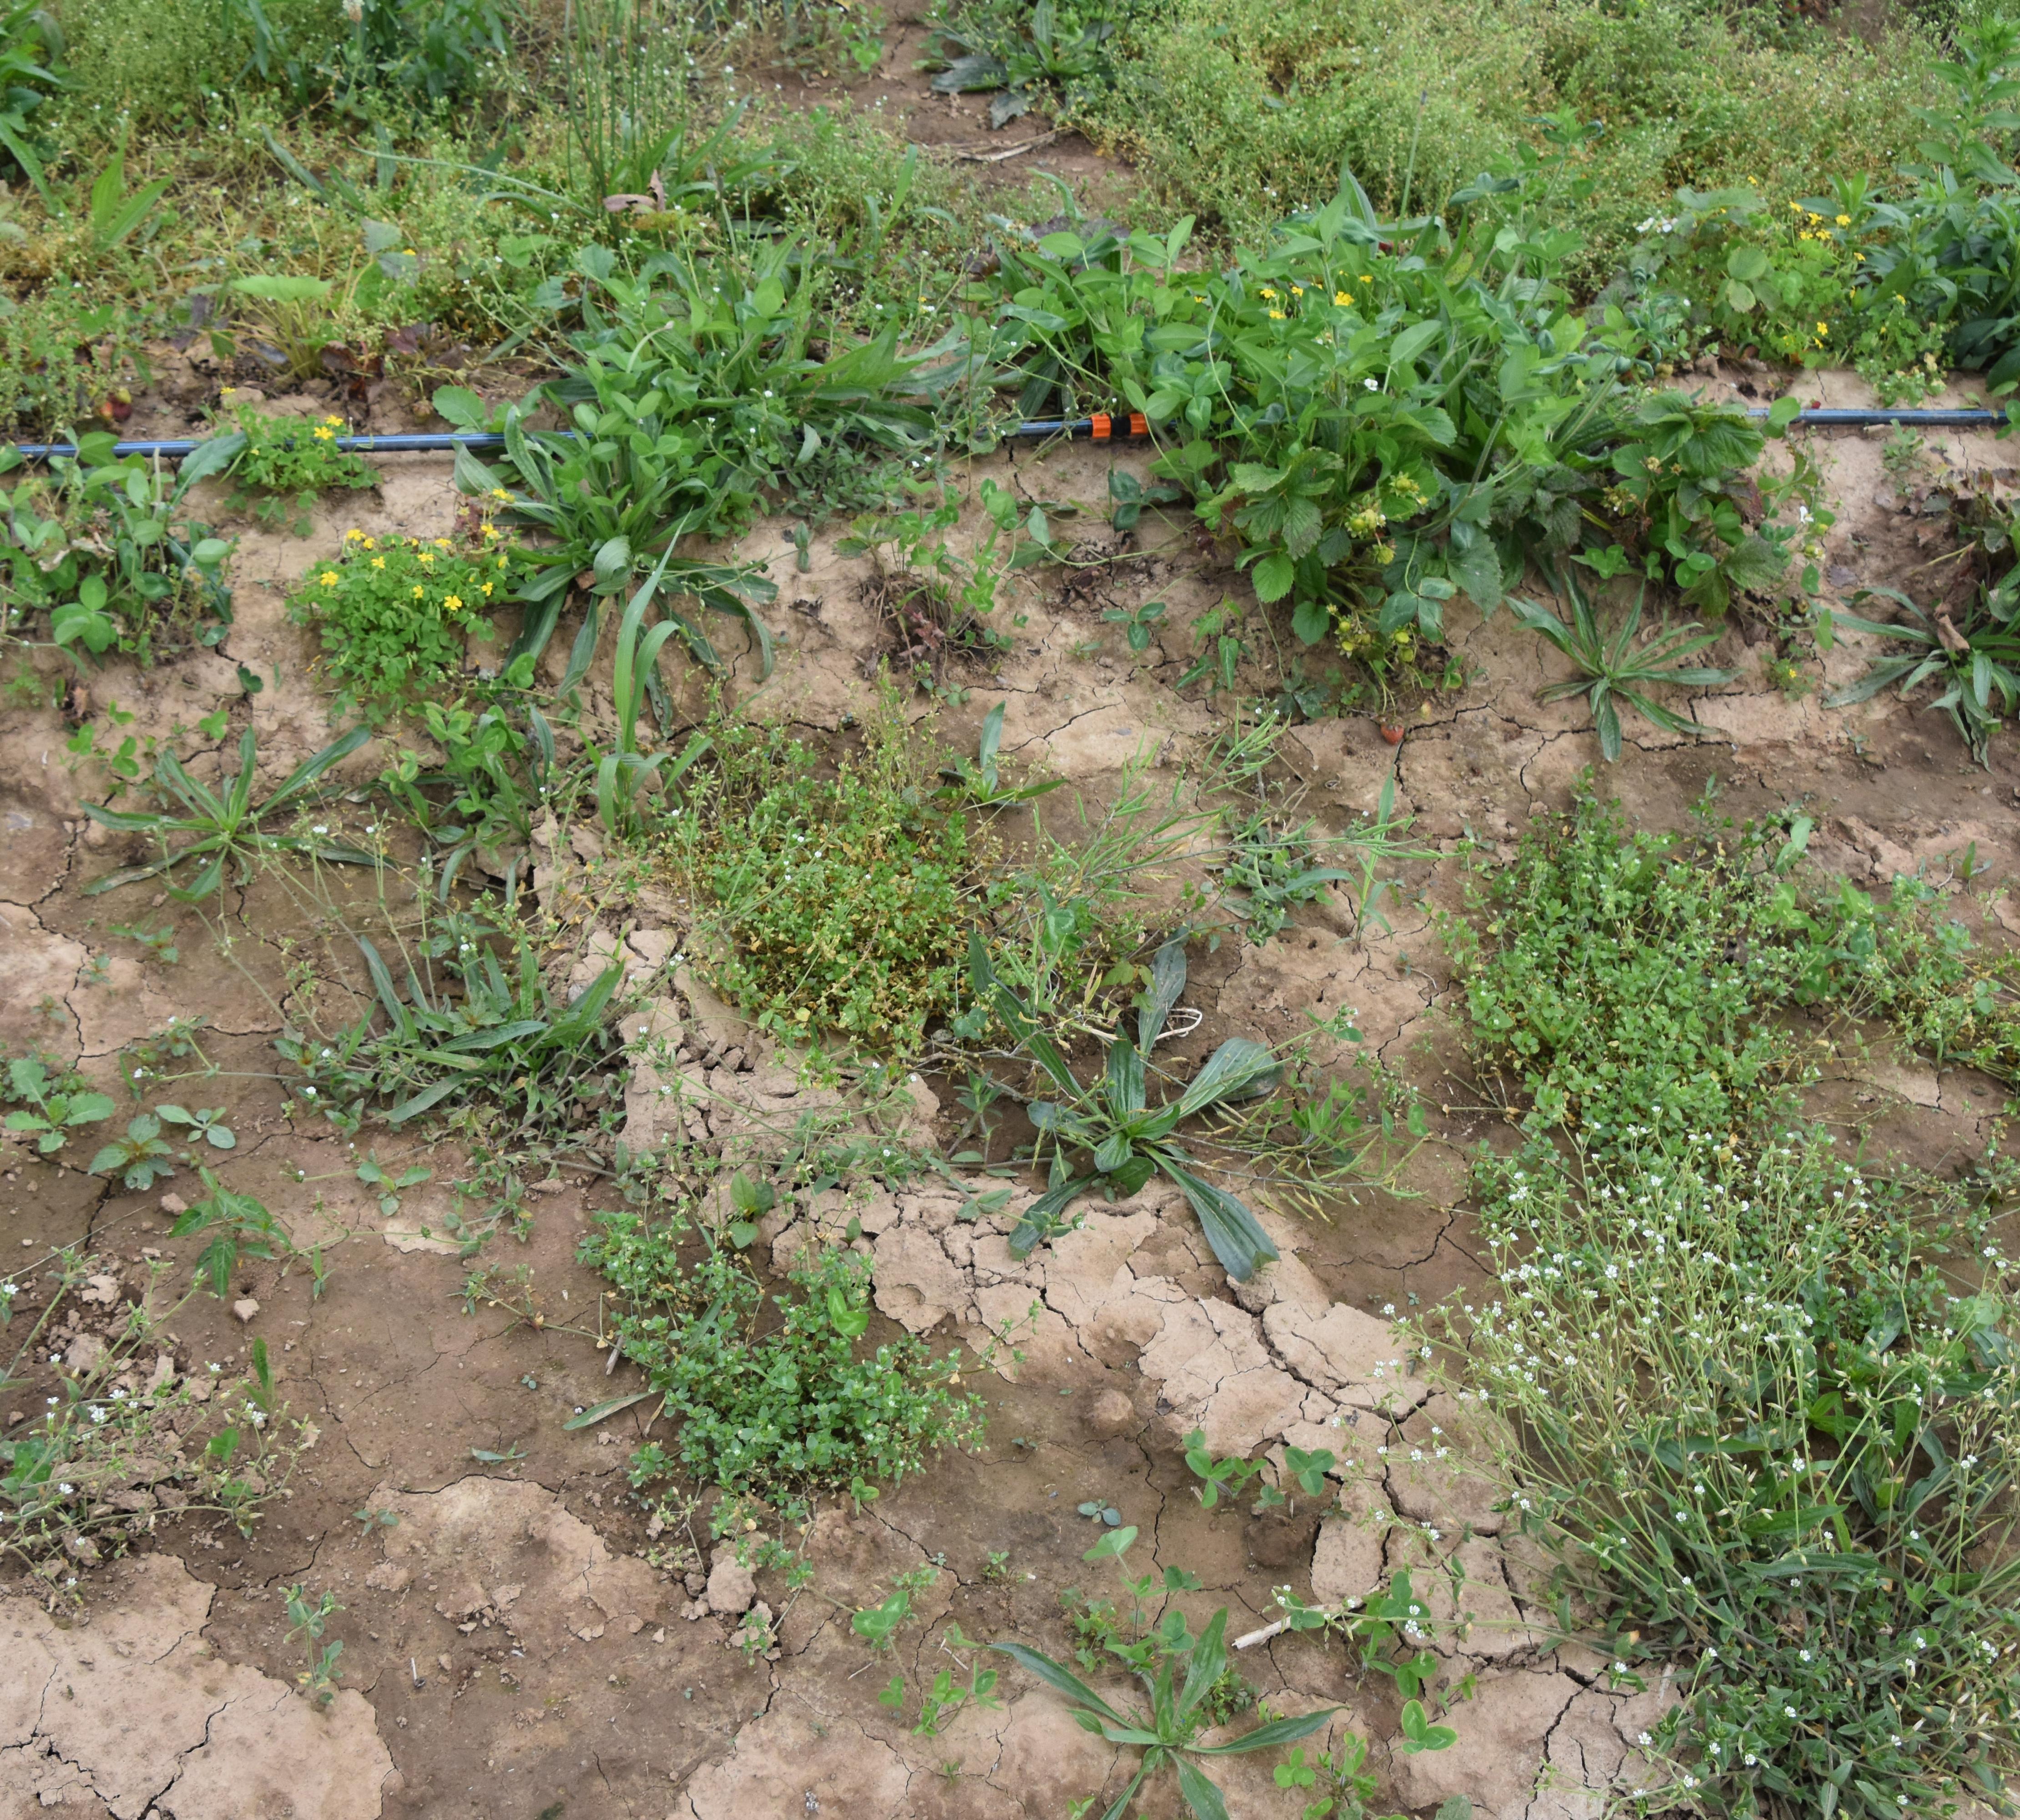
<point>842,899</point>
<point>53,1103</point>
<point>286,460</point>
<point>108,549</point>
<point>1186,1675</point>
<point>394,613</point>
<point>222,825</point>
<point>97,1469</point>
<point>1126,1139</point>
<point>773,1405</point>
<point>1618,667</point>
<point>1811,1519</point>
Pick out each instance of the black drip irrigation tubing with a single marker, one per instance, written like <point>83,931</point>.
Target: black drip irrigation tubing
<point>1099,429</point>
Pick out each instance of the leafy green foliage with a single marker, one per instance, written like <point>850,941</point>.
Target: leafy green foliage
<point>1184,1675</point>
<point>55,1103</point>
<point>693,393</point>
<point>1901,276</point>
<point>30,43</point>
<point>1274,870</point>
<point>285,458</point>
<point>1812,1514</point>
<point>205,1123</point>
<point>1975,666</point>
<point>777,1403</point>
<point>1126,1138</point>
<point>141,1158</point>
<point>1216,1477</point>
<point>306,1626</point>
<point>1382,415</point>
<point>394,612</point>
<point>980,782</point>
<point>67,359</point>
<point>107,549</point>
<point>636,139</point>
<point>1635,975</point>
<point>1238,109</point>
<point>224,824</point>
<point>843,898</point>
<point>482,795</point>
<point>289,315</point>
<point>239,1227</point>
<point>467,1031</point>
<point>634,679</point>
<point>200,1445</point>
<point>1024,52</point>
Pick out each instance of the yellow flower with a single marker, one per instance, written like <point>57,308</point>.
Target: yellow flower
<point>1366,279</point>
<point>1267,291</point>
<point>327,578</point>
<point>442,543</point>
<point>490,530</point>
<point>417,594</point>
<point>1797,207</point>
<point>1276,315</point>
<point>500,493</point>
<point>1823,328</point>
<point>325,434</point>
<point>1825,234</point>
<point>503,561</point>
<point>1341,297</point>
<point>353,535</point>
<point>1297,290</point>
<point>427,559</point>
<point>337,421</point>
<point>487,590</point>
<point>452,601</point>
<point>1842,220</point>
<point>378,562</point>
<point>370,543</point>
<point>1806,235</point>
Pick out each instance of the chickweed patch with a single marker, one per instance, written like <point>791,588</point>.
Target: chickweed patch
<point>842,897</point>
<point>1758,1395</point>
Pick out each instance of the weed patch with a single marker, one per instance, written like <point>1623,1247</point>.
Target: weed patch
<point>394,613</point>
<point>774,1407</point>
<point>1758,1395</point>
<point>286,462</point>
<point>842,899</point>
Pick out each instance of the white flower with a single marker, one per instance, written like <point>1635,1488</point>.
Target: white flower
<point>68,1491</point>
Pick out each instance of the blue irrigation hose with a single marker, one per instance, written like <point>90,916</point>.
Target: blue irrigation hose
<point>1096,429</point>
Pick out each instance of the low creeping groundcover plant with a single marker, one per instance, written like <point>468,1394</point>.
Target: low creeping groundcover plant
<point>1758,1399</point>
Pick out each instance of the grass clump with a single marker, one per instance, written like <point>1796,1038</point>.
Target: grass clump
<point>1759,1402</point>
<point>1241,110</point>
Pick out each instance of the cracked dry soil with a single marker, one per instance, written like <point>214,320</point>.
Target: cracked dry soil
<point>508,1648</point>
